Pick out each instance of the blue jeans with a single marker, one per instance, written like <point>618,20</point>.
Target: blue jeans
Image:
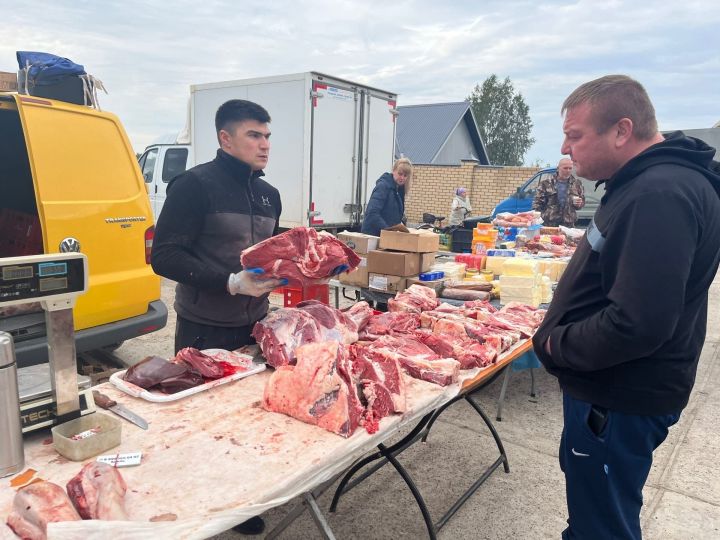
<point>605,472</point>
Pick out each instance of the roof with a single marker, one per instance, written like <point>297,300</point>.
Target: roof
<point>423,130</point>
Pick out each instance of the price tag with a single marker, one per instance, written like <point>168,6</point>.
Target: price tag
<point>122,460</point>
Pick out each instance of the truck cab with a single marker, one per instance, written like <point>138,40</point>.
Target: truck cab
<point>522,199</point>
<point>70,182</point>
<point>160,163</point>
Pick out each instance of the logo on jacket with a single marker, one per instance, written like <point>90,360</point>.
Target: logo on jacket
<point>265,200</point>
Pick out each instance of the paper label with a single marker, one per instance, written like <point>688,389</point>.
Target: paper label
<point>379,282</point>
<point>122,460</point>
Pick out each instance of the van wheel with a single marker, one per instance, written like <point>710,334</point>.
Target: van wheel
<point>113,346</point>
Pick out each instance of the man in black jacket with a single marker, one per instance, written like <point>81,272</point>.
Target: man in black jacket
<point>624,332</point>
<point>212,213</point>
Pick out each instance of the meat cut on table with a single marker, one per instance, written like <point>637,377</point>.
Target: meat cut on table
<point>36,505</point>
<point>285,329</point>
<point>414,299</point>
<point>399,322</point>
<point>470,353</point>
<point>317,390</point>
<point>302,255</point>
<point>98,492</point>
<point>416,358</point>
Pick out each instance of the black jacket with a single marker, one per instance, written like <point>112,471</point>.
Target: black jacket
<point>386,206</point>
<point>628,319</point>
<point>213,212</point>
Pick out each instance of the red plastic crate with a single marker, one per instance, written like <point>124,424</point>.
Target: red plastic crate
<point>292,296</point>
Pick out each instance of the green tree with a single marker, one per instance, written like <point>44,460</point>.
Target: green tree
<point>504,120</point>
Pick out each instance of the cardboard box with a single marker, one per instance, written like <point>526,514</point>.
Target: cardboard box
<point>436,284</point>
<point>360,243</point>
<point>426,261</point>
<point>8,82</point>
<point>396,263</point>
<point>358,277</point>
<point>386,283</point>
<point>414,241</point>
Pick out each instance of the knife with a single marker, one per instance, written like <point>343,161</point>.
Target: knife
<point>105,402</point>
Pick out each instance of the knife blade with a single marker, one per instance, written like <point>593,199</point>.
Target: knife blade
<point>104,402</point>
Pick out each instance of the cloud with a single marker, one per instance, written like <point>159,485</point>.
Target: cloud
<point>149,53</point>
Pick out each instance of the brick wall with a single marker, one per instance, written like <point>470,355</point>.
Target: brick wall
<point>433,187</point>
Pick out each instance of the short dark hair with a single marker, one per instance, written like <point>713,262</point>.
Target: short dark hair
<point>612,98</point>
<point>238,110</point>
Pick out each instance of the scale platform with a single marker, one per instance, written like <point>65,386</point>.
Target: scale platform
<point>37,405</point>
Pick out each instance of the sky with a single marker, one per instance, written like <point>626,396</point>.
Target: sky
<point>149,53</point>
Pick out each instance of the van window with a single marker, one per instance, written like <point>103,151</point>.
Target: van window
<point>175,163</point>
<point>148,165</point>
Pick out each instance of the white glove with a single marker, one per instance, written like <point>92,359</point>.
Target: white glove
<point>251,282</point>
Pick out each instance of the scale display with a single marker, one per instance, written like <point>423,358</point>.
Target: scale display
<point>41,276</point>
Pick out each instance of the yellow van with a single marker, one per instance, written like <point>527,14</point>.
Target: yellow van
<point>69,181</point>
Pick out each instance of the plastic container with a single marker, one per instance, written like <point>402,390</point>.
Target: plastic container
<point>108,437</point>
<point>487,275</point>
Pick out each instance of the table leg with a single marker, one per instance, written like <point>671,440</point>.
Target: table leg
<point>490,426</point>
<point>501,399</point>
<point>532,383</point>
<point>432,533</point>
<point>318,517</point>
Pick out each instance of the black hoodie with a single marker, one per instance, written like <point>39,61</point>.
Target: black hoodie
<point>628,319</point>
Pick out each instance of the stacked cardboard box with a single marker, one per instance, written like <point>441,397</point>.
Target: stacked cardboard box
<point>361,244</point>
<point>401,256</point>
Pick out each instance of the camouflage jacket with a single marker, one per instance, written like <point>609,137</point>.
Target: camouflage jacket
<point>547,203</point>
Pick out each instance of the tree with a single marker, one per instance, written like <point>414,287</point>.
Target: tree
<point>504,120</point>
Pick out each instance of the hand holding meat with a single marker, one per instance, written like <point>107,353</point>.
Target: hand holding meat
<point>251,282</point>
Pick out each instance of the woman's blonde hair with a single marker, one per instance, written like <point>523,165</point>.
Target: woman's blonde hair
<point>404,165</point>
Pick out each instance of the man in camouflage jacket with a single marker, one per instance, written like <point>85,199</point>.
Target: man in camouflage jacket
<point>559,197</point>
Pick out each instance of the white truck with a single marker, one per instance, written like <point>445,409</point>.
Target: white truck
<point>331,140</point>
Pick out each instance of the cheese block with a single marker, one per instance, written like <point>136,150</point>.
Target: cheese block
<point>520,267</point>
<point>496,264</point>
<point>520,281</point>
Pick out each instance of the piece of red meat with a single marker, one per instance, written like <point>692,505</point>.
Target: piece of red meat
<point>382,372</point>
<point>443,371</point>
<point>416,358</point>
<point>285,329</point>
<point>98,492</point>
<point>334,325</point>
<point>36,505</point>
<point>301,255</point>
<point>282,332</point>
<point>316,390</point>
<point>400,322</point>
<point>152,370</point>
<point>178,383</point>
<point>414,299</point>
<point>202,363</point>
<point>360,313</point>
<point>469,352</point>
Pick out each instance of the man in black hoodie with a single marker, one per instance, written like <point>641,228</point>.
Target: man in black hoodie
<point>625,329</point>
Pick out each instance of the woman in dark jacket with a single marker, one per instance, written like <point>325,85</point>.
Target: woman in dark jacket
<point>386,207</point>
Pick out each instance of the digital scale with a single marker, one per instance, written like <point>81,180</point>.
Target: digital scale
<point>50,393</point>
